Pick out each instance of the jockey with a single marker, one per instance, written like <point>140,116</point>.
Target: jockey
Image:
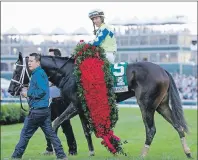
<point>105,38</point>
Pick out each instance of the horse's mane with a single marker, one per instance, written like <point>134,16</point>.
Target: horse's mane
<point>66,58</point>
<point>61,58</point>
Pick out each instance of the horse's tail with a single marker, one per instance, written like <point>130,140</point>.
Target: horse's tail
<point>176,104</point>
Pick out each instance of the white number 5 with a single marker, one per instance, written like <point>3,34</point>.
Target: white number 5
<point>121,68</point>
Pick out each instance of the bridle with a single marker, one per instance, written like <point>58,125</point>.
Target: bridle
<point>21,80</point>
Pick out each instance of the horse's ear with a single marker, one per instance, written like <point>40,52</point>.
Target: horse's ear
<point>20,56</point>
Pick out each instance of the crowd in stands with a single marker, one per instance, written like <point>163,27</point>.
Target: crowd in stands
<point>187,86</point>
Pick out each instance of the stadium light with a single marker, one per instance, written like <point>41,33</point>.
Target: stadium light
<point>14,50</point>
<point>39,49</point>
<point>167,56</point>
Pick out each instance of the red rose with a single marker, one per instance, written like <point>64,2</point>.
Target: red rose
<point>84,49</point>
<point>80,53</point>
<point>97,54</point>
<point>87,46</point>
<point>81,42</point>
<point>93,48</point>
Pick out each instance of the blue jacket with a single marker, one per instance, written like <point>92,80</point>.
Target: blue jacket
<point>38,91</point>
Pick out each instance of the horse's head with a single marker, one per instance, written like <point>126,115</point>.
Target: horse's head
<point>20,76</point>
<point>55,68</point>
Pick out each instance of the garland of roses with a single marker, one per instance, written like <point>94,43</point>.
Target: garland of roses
<point>101,119</point>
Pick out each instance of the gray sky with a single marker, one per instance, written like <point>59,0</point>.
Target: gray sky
<point>72,15</point>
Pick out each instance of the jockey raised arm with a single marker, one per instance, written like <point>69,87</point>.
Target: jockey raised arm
<point>105,37</point>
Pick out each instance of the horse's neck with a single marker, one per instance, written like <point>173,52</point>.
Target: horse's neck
<point>57,78</point>
<point>50,74</point>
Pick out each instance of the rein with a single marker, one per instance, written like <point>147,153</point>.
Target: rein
<point>21,103</point>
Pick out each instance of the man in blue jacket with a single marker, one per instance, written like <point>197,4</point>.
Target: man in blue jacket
<point>39,115</point>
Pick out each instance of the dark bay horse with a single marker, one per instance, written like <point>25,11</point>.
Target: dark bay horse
<point>152,86</point>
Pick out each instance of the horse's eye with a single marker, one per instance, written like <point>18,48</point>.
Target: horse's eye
<point>15,72</point>
<point>17,76</point>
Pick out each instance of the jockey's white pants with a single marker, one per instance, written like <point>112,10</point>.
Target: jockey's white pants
<point>110,56</point>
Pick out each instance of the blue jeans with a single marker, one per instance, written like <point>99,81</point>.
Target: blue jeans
<point>38,118</point>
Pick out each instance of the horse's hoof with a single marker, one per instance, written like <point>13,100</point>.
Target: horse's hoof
<point>91,153</point>
<point>72,153</point>
<point>47,153</point>
<point>142,156</point>
<point>189,155</point>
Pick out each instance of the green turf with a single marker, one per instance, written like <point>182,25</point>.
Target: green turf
<point>166,144</point>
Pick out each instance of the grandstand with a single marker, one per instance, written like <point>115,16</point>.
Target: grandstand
<point>151,40</point>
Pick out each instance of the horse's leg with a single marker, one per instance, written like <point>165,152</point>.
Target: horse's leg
<point>69,113</point>
<point>148,119</point>
<point>165,111</point>
<point>87,134</point>
<point>148,101</point>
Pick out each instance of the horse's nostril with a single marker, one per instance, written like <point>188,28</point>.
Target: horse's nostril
<point>11,92</point>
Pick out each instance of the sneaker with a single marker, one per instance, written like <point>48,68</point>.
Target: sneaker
<point>47,153</point>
